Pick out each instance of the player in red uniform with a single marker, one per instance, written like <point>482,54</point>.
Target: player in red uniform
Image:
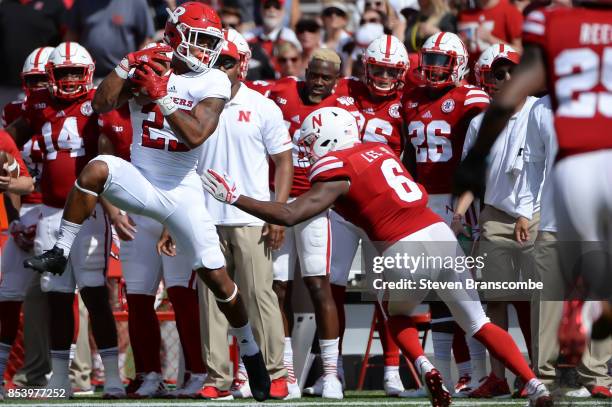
<point>570,49</point>
<point>14,178</point>
<point>369,187</point>
<point>377,99</point>
<point>437,116</point>
<point>65,118</point>
<point>309,242</point>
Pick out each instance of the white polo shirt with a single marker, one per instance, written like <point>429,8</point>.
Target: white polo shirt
<point>502,186</point>
<point>251,127</point>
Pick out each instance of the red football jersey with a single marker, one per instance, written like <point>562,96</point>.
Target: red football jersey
<point>70,140</point>
<point>263,87</point>
<point>7,144</point>
<point>379,121</point>
<point>577,44</point>
<point>30,151</point>
<point>437,129</point>
<point>117,126</point>
<point>286,94</point>
<point>382,199</point>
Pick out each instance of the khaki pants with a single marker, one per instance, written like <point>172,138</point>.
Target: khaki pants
<point>593,369</point>
<point>80,368</point>
<point>506,259</point>
<point>250,265</point>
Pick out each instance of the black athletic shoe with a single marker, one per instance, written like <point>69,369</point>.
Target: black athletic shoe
<point>52,261</point>
<point>259,379</point>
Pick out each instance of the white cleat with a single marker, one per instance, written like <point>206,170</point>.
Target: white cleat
<point>582,392</point>
<point>113,389</point>
<point>393,384</point>
<point>540,397</point>
<point>413,393</point>
<point>59,387</point>
<point>332,387</point>
<point>316,389</point>
<point>191,388</point>
<point>152,386</point>
<point>294,391</point>
<point>240,387</point>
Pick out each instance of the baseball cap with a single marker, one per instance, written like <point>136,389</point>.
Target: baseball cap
<point>335,4</point>
<point>264,3</point>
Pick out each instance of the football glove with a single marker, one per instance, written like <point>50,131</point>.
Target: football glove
<point>222,187</point>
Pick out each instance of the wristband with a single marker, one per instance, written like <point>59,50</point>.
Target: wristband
<point>166,105</point>
<point>122,69</point>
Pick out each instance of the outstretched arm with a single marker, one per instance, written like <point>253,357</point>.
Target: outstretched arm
<point>321,196</point>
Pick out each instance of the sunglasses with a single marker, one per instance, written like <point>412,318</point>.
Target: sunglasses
<point>225,62</point>
<point>328,12</point>
<point>310,29</point>
<point>370,20</point>
<point>272,4</point>
<point>283,60</point>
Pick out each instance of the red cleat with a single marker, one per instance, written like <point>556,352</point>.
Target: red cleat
<point>492,388</point>
<point>600,392</point>
<point>279,389</point>
<point>572,334</point>
<point>436,391</point>
<point>212,393</point>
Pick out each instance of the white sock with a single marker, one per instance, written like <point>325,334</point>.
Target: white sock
<point>329,355</point>
<point>464,368</point>
<point>443,343</point>
<point>423,364</point>
<point>246,340</point>
<point>67,233</point>
<point>5,351</point>
<point>242,373</point>
<point>391,371</point>
<point>60,361</point>
<point>478,358</point>
<point>288,359</point>
<point>110,360</point>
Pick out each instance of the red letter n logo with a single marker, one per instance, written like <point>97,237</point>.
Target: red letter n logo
<point>316,121</point>
<point>244,116</point>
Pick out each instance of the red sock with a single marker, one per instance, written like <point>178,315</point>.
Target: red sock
<point>145,336</point>
<point>406,336</point>
<point>185,303</point>
<point>9,321</point>
<point>523,312</point>
<point>339,294</point>
<point>390,349</point>
<point>460,347</point>
<point>502,347</point>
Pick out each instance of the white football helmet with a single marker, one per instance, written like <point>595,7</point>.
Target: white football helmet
<point>484,65</point>
<point>194,27</point>
<point>70,59</point>
<point>244,50</point>
<point>386,63</point>
<point>324,130</point>
<point>33,75</point>
<point>443,60</point>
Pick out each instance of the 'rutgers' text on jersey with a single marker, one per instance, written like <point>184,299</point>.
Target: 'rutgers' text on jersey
<point>382,199</point>
<point>378,121</point>
<point>156,150</point>
<point>69,140</point>
<point>577,44</point>
<point>286,94</point>
<point>437,128</point>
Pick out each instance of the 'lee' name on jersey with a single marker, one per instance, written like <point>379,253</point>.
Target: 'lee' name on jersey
<point>375,153</point>
<point>595,34</point>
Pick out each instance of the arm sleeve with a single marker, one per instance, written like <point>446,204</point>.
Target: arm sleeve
<point>275,133</point>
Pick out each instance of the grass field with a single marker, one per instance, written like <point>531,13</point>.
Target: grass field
<point>353,398</point>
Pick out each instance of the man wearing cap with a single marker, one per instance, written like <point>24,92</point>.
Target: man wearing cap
<point>251,129</point>
<point>335,19</point>
<point>262,39</point>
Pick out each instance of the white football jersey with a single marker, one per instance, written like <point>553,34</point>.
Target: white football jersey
<point>156,150</point>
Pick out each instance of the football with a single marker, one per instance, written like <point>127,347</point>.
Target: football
<point>7,161</point>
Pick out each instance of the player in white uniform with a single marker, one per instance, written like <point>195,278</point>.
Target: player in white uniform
<point>161,182</point>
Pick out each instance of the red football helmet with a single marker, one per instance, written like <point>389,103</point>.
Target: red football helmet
<point>194,32</point>
<point>70,69</point>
